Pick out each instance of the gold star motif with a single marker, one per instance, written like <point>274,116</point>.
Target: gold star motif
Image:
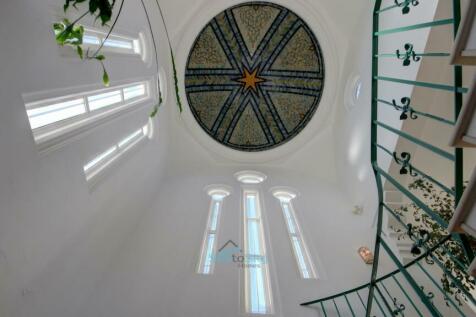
<point>250,79</point>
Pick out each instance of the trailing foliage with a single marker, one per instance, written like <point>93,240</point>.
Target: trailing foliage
<point>157,106</point>
<point>71,34</point>
<point>177,95</point>
<point>428,232</point>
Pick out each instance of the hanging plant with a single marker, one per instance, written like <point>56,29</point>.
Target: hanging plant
<point>427,233</point>
<point>71,34</point>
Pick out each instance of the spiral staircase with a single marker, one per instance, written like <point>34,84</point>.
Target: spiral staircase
<point>416,272</point>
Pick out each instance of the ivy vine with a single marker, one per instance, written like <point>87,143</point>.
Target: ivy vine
<point>431,232</point>
<point>71,33</point>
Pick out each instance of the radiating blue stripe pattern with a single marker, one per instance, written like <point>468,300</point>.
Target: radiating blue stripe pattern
<point>280,49</point>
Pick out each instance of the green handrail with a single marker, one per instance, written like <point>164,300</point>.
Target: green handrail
<point>407,296</point>
<point>424,114</point>
<point>421,301</point>
<point>417,141</point>
<point>423,84</point>
<point>420,172</point>
<point>414,27</point>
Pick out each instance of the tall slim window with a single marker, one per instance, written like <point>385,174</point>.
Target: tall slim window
<point>257,285</point>
<point>301,253</point>
<point>209,246</point>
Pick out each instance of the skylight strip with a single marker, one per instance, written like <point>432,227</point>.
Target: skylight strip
<point>115,42</point>
<point>47,112</point>
<point>40,117</point>
<point>134,91</point>
<point>55,107</point>
<point>106,99</point>
<point>106,158</point>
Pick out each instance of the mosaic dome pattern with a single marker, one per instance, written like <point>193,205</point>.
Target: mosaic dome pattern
<point>254,76</point>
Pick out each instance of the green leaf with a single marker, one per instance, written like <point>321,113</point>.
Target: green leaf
<point>93,6</point>
<point>177,95</point>
<point>66,5</point>
<point>79,49</point>
<point>100,57</point>
<point>154,111</point>
<point>105,77</point>
<point>67,33</point>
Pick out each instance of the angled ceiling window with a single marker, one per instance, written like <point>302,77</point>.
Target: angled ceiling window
<point>206,262</point>
<point>99,163</point>
<point>257,286</point>
<point>301,253</point>
<point>53,118</point>
<point>117,43</point>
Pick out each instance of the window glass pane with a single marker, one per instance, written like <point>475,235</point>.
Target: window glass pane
<point>134,91</point>
<point>42,116</point>
<point>289,219</point>
<point>96,165</point>
<point>253,242</point>
<point>209,253</point>
<point>104,100</point>
<point>303,260</point>
<point>251,206</point>
<point>258,289</point>
<point>298,249</point>
<point>215,210</point>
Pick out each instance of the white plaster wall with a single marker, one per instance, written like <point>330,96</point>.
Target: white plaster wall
<point>57,236</point>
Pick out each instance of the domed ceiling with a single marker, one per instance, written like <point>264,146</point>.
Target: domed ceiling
<point>254,76</point>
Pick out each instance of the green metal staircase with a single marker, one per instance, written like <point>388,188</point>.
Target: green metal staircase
<point>416,288</point>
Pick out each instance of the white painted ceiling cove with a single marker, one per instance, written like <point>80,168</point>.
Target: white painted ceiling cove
<point>128,246</point>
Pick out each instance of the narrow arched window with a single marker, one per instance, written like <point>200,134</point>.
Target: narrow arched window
<point>206,262</point>
<point>257,292</point>
<point>301,253</point>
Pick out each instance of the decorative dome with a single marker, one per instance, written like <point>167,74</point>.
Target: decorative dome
<point>254,76</point>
